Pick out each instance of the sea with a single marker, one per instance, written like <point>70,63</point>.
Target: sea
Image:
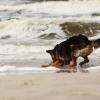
<point>30,27</point>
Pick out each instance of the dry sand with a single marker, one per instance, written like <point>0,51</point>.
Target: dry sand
<point>50,86</point>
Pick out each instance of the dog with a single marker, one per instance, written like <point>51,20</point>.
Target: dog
<point>66,53</point>
<point>63,53</point>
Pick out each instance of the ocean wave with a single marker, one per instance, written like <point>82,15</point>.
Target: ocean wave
<point>88,29</point>
<point>50,36</point>
<point>46,29</point>
<point>48,9</point>
<point>30,29</point>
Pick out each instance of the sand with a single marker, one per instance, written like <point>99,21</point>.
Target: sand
<point>50,86</point>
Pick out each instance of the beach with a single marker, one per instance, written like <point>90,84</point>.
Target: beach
<point>51,86</point>
<point>27,29</point>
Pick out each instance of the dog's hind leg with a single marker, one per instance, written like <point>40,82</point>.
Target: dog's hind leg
<point>86,60</point>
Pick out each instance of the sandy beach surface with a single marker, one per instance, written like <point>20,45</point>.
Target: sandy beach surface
<point>50,86</point>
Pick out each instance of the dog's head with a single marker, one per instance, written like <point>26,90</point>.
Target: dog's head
<point>52,54</point>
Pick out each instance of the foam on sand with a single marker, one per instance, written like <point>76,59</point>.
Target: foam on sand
<point>93,69</point>
<point>11,70</point>
<point>4,70</point>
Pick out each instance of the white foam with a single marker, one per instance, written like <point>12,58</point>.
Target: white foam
<point>19,49</point>
<point>93,69</point>
<point>4,70</point>
<point>66,8</point>
<point>7,69</point>
<point>26,29</point>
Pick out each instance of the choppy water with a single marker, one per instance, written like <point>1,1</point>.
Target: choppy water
<point>29,27</point>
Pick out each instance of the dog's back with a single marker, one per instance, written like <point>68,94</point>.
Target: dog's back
<point>80,41</point>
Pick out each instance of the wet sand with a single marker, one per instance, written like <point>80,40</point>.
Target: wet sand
<point>51,86</point>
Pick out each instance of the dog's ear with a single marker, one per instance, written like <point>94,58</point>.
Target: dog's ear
<point>48,51</point>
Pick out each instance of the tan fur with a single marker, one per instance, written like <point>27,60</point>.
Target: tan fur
<point>84,52</point>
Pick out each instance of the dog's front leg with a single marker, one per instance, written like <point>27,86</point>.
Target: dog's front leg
<point>57,64</point>
<point>48,65</point>
<point>72,65</point>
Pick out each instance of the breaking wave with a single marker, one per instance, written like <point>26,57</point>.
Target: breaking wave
<point>30,29</point>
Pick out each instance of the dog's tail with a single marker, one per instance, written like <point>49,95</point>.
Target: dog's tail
<point>96,43</point>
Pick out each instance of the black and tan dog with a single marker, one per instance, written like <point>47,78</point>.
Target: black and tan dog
<point>66,53</point>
